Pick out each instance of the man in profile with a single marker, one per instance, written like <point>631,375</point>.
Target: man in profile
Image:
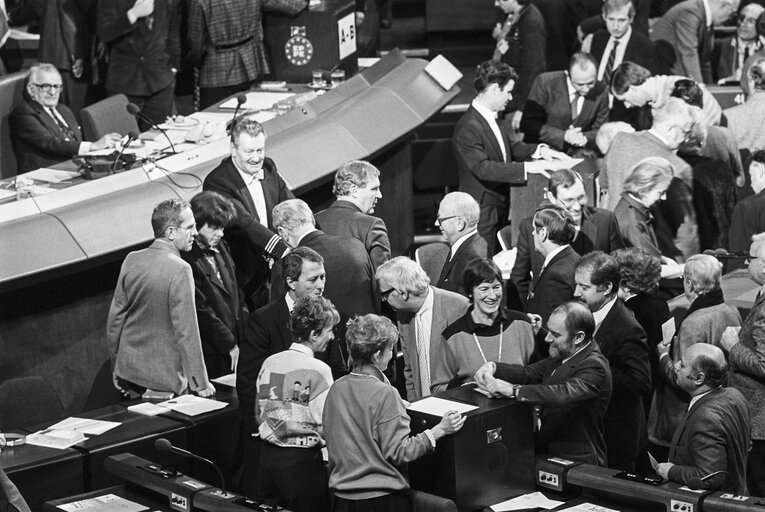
<point>357,188</point>
<point>573,387</point>
<point>45,132</point>
<point>152,329</point>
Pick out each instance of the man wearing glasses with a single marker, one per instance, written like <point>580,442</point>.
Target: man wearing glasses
<point>45,132</point>
<point>730,53</point>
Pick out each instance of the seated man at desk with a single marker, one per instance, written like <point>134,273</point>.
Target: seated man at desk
<point>573,386</point>
<point>710,448</point>
<point>45,132</point>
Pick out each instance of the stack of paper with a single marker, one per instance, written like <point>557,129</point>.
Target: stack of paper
<point>192,405</point>
<point>107,502</point>
<point>439,406</point>
<point>59,439</point>
<point>85,425</point>
<point>527,501</point>
<point>147,408</point>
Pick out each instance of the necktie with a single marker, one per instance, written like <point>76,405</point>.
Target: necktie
<point>422,356</point>
<point>575,107</point>
<point>68,133</point>
<point>610,64</point>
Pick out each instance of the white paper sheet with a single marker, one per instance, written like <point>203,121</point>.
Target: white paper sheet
<point>439,406</point>
<point>531,500</point>
<point>51,175</point>
<point>668,330</point>
<point>85,425</point>
<point>192,405</point>
<point>107,502</point>
<point>226,380</point>
<point>588,507</point>
<point>148,409</point>
<point>258,100</point>
<point>59,439</point>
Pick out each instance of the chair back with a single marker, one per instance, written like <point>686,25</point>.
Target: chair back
<point>505,237</point>
<point>26,401</point>
<point>11,96</point>
<point>107,116</point>
<point>431,257</point>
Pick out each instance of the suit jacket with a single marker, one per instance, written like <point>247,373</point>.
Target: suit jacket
<point>747,122</point>
<point>639,50</point>
<point>725,57</point>
<point>37,139</point>
<point>472,249</point>
<point>526,52</point>
<point>10,497</point>
<point>651,313</point>
<point>748,365</point>
<point>344,219</point>
<point>684,42</point>
<point>748,219</point>
<point>623,342</point>
<point>152,328</point>
<point>251,242</point>
<point>573,398</point>
<point>714,436</point>
<point>547,114</point>
<point>481,171</point>
<point>219,305</point>
<point>447,307</point>
<point>265,333</point>
<point>599,232</point>
<point>141,55</point>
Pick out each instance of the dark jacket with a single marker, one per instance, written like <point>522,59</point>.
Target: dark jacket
<point>471,250</point>
<point>526,52</point>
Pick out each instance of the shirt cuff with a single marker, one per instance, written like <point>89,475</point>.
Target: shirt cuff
<point>84,147</point>
<point>538,152</point>
<point>431,438</point>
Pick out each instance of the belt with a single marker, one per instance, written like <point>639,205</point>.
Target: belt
<point>235,44</point>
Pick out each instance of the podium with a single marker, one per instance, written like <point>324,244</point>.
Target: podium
<point>490,459</point>
<point>323,37</point>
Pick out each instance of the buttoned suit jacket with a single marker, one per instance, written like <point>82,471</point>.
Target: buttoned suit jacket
<point>471,250</point>
<point>266,333</point>
<point>547,114</point>
<point>141,57</point>
<point>748,365</point>
<point>481,170</point>
<point>219,305</point>
<point>683,42</point>
<point>152,329</point>
<point>574,397</point>
<point>713,437</point>
<point>639,50</point>
<point>250,241</point>
<point>344,219</point>
<point>447,307</point>
<point>623,341</point>
<point>37,139</point>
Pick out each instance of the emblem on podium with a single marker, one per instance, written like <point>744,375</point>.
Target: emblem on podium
<point>298,49</point>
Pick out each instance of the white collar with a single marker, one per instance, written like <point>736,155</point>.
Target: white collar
<point>697,397</point>
<point>581,347</point>
<point>601,314</point>
<point>461,240</point>
<point>427,306</point>
<point>659,136</point>
<point>489,115</point>
<point>707,12</point>
<point>552,254</point>
<point>299,347</point>
<point>624,39</point>
<point>290,302</point>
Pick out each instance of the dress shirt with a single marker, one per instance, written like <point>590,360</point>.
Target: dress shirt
<point>84,145</point>
<point>491,118</point>
<point>578,349</point>
<point>741,48</point>
<point>290,302</point>
<point>600,314</point>
<point>256,191</point>
<point>425,318</point>
<point>460,241</point>
<point>659,136</point>
<point>708,15</point>
<point>571,93</point>
<point>618,58</point>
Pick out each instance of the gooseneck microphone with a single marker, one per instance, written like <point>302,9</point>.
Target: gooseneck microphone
<point>132,135</point>
<point>240,100</point>
<point>133,110</point>
<point>162,445</point>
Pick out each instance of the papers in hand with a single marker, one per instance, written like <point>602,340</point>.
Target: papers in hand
<point>654,462</point>
<point>192,405</point>
<point>668,330</point>
<point>532,500</point>
<point>439,406</point>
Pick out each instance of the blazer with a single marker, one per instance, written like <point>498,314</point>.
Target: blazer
<point>746,361</point>
<point>250,241</point>
<point>344,219</point>
<point>639,50</point>
<point>573,398</point>
<point>152,329</point>
<point>481,171</point>
<point>219,303</point>
<point>526,52</point>
<point>714,436</point>
<point>651,313</point>
<point>683,41</point>
<point>725,57</point>
<point>265,333</point>
<point>447,307</point>
<point>747,122</point>
<point>547,114</point>
<point>141,55</point>
<point>550,287</point>
<point>748,219</point>
<point>636,224</point>
<point>623,342</point>
<point>37,139</point>
<point>472,249</point>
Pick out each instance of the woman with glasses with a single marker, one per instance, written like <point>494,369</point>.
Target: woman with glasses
<point>487,332</point>
<point>367,428</point>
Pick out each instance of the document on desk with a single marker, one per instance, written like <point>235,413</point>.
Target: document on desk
<point>439,406</point>
<point>587,507</point>
<point>59,439</point>
<point>85,425</point>
<point>258,100</point>
<point>192,405</point>
<point>531,500</point>
<point>51,175</point>
<point>105,503</point>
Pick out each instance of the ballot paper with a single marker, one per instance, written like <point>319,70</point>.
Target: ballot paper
<point>226,380</point>
<point>258,100</point>
<point>192,405</point>
<point>587,507</point>
<point>107,502</point>
<point>59,439</point>
<point>85,425</point>
<point>439,406</point>
<point>668,330</point>
<point>147,409</point>
<point>531,500</point>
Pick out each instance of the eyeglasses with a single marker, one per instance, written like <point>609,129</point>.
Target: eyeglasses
<point>441,220</point>
<point>384,295</point>
<point>49,87</point>
<point>750,259</point>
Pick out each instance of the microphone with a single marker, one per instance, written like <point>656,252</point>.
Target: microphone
<point>240,100</point>
<point>132,135</point>
<point>162,445</point>
<point>133,110</point>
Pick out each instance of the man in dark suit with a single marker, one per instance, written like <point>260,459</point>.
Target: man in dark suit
<point>683,37</point>
<point>623,342</point>
<point>251,181</point>
<point>565,109</point>
<point>572,386</point>
<point>713,439</point>
<point>357,188</point>
<point>266,333</point>
<point>749,214</point>
<point>730,53</point>
<point>544,275</point>
<point>457,219</point>
<point>422,312</point>
<point>143,37</point>
<point>487,161</point>
<point>219,301</point>
<point>43,131</point>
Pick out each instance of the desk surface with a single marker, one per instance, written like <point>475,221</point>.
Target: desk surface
<point>144,497</point>
<point>15,459</point>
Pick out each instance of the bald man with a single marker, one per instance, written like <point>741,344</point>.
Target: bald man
<point>709,450</point>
